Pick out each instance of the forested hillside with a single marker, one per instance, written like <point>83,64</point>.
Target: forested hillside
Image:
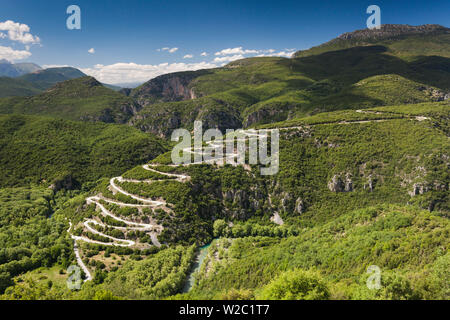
<point>40,150</point>
<point>78,99</point>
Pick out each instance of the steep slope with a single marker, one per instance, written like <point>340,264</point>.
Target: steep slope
<point>78,99</point>
<point>68,154</point>
<point>401,40</point>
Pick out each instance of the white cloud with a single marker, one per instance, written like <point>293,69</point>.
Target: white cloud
<point>132,73</point>
<point>286,54</point>
<point>229,58</point>
<point>239,52</point>
<point>10,54</point>
<point>170,50</point>
<point>235,51</point>
<point>91,50</point>
<point>122,73</point>
<point>19,32</point>
<point>48,66</point>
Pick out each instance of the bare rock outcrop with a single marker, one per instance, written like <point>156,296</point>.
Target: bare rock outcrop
<point>434,93</point>
<point>336,184</point>
<point>167,88</point>
<point>340,184</point>
<point>418,188</point>
<point>300,206</point>
<point>370,185</point>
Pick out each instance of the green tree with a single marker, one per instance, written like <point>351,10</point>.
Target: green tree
<point>219,227</point>
<point>296,285</point>
<point>441,276</point>
<point>393,287</point>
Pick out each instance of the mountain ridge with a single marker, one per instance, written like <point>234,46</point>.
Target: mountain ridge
<point>388,31</point>
<point>407,36</point>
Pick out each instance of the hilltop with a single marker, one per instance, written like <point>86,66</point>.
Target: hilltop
<point>77,99</point>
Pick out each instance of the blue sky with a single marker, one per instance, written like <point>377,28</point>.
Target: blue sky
<point>126,35</point>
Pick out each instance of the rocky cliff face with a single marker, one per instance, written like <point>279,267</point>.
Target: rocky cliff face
<point>162,120</point>
<point>166,88</point>
<point>242,204</point>
<point>267,114</point>
<point>390,31</point>
<point>161,124</point>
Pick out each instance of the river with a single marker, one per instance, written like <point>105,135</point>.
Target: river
<point>201,255</point>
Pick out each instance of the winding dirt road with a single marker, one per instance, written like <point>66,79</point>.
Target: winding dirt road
<point>90,224</point>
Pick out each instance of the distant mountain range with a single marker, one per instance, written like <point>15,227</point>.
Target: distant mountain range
<point>26,79</point>
<point>8,69</point>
